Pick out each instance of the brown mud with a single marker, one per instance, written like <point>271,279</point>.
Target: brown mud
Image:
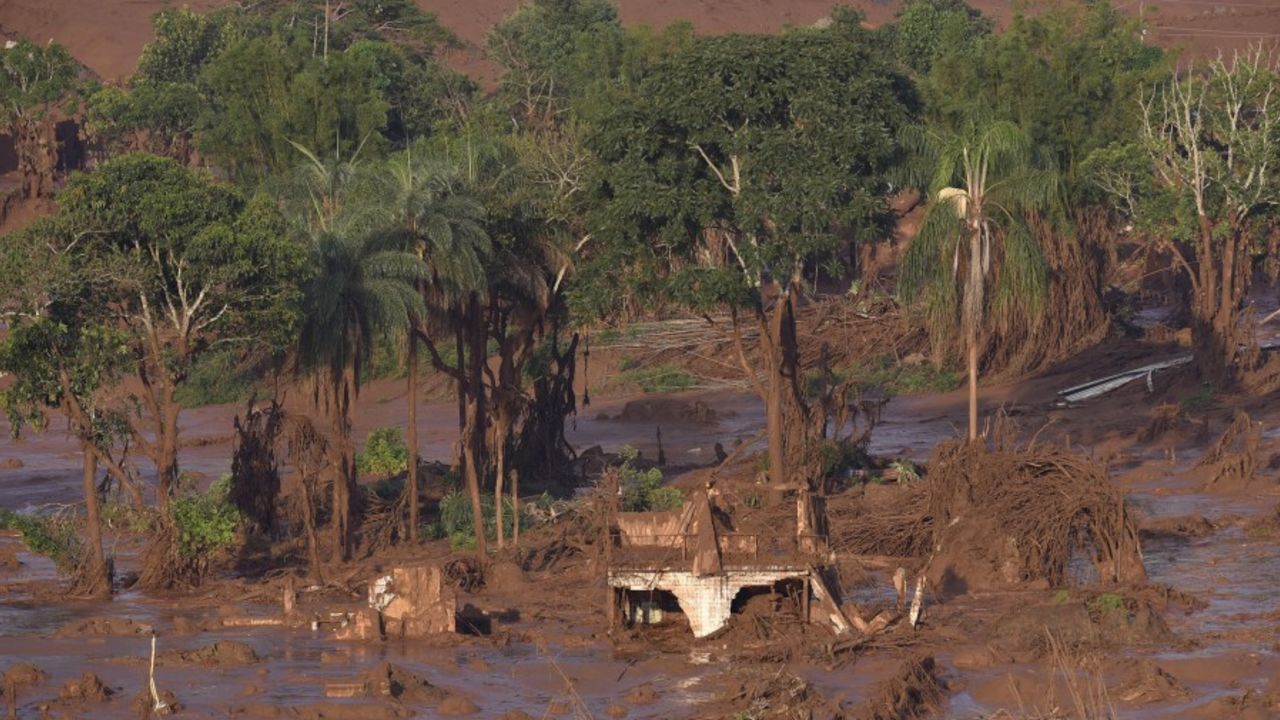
<point>1200,642</point>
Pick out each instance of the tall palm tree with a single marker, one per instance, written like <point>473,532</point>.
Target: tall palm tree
<point>426,205</point>
<point>981,182</point>
<point>364,286</point>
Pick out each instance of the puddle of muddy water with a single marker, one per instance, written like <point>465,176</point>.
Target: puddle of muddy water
<point>294,666</point>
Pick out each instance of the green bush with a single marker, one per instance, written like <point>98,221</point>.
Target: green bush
<point>119,515</point>
<point>456,521</point>
<point>613,336</point>
<point>433,530</point>
<point>53,537</point>
<point>1108,603</point>
<point>658,378</point>
<point>205,522</point>
<point>1200,400</point>
<point>886,373</point>
<point>385,453</point>
<point>642,490</point>
<point>907,471</point>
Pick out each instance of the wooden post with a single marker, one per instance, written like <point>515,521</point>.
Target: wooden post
<point>290,600</point>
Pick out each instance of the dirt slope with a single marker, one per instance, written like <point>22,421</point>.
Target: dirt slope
<point>108,35</point>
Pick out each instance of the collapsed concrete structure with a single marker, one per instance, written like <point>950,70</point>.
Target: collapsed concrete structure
<point>414,602</point>
<point>685,561</point>
<point>411,602</point>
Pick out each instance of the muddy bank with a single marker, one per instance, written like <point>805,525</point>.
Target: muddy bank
<point>547,651</point>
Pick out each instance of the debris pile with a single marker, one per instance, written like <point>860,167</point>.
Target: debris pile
<point>914,691</point>
<point>986,519</point>
<point>1231,461</point>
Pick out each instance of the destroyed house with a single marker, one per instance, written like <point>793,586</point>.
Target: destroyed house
<point>690,561</point>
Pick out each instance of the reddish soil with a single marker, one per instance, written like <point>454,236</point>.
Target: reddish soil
<point>1204,648</point>
<point>108,35</point>
<point>547,649</point>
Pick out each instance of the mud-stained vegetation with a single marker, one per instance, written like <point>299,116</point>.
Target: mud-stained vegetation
<point>790,361</point>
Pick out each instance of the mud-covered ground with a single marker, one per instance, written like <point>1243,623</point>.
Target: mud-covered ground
<point>1207,647</point>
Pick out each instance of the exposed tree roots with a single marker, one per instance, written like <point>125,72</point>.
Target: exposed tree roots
<point>995,518</point>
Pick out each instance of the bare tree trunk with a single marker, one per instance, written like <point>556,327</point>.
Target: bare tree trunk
<point>972,313</point>
<point>413,437</point>
<point>98,577</point>
<point>1215,310</point>
<point>504,394</point>
<point>344,481</point>
<point>36,145</point>
<point>460,348</point>
<point>474,432</point>
<point>309,521</point>
<point>167,452</point>
<point>515,508</point>
<point>971,353</point>
<point>500,470</point>
<point>770,348</point>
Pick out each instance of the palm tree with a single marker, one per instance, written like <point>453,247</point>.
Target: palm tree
<point>981,183</point>
<point>442,223</point>
<point>364,286</point>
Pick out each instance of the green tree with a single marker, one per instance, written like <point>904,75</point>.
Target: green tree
<point>56,361</point>
<point>35,82</point>
<point>252,118</point>
<point>240,83</point>
<point>159,110</point>
<point>179,264</point>
<point>539,47</point>
<point>364,286</point>
<point>427,205</point>
<point>739,164</point>
<point>981,183</point>
<point>1067,76</point>
<point>1201,182</point>
<point>924,30</point>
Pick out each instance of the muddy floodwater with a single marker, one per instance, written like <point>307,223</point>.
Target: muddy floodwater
<point>550,658</point>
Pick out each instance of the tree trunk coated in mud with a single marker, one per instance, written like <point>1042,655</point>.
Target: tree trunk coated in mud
<point>412,394</point>
<point>473,433</point>
<point>98,579</point>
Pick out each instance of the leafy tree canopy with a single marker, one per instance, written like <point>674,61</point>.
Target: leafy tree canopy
<point>1069,76</point>
<point>740,159</point>
<point>241,84</point>
<point>181,258</point>
<point>926,29</point>
<point>33,78</point>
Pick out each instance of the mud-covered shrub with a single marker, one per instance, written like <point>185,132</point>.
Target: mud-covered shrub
<point>385,453</point>
<point>642,490</point>
<point>387,489</point>
<point>50,535</point>
<point>205,523</point>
